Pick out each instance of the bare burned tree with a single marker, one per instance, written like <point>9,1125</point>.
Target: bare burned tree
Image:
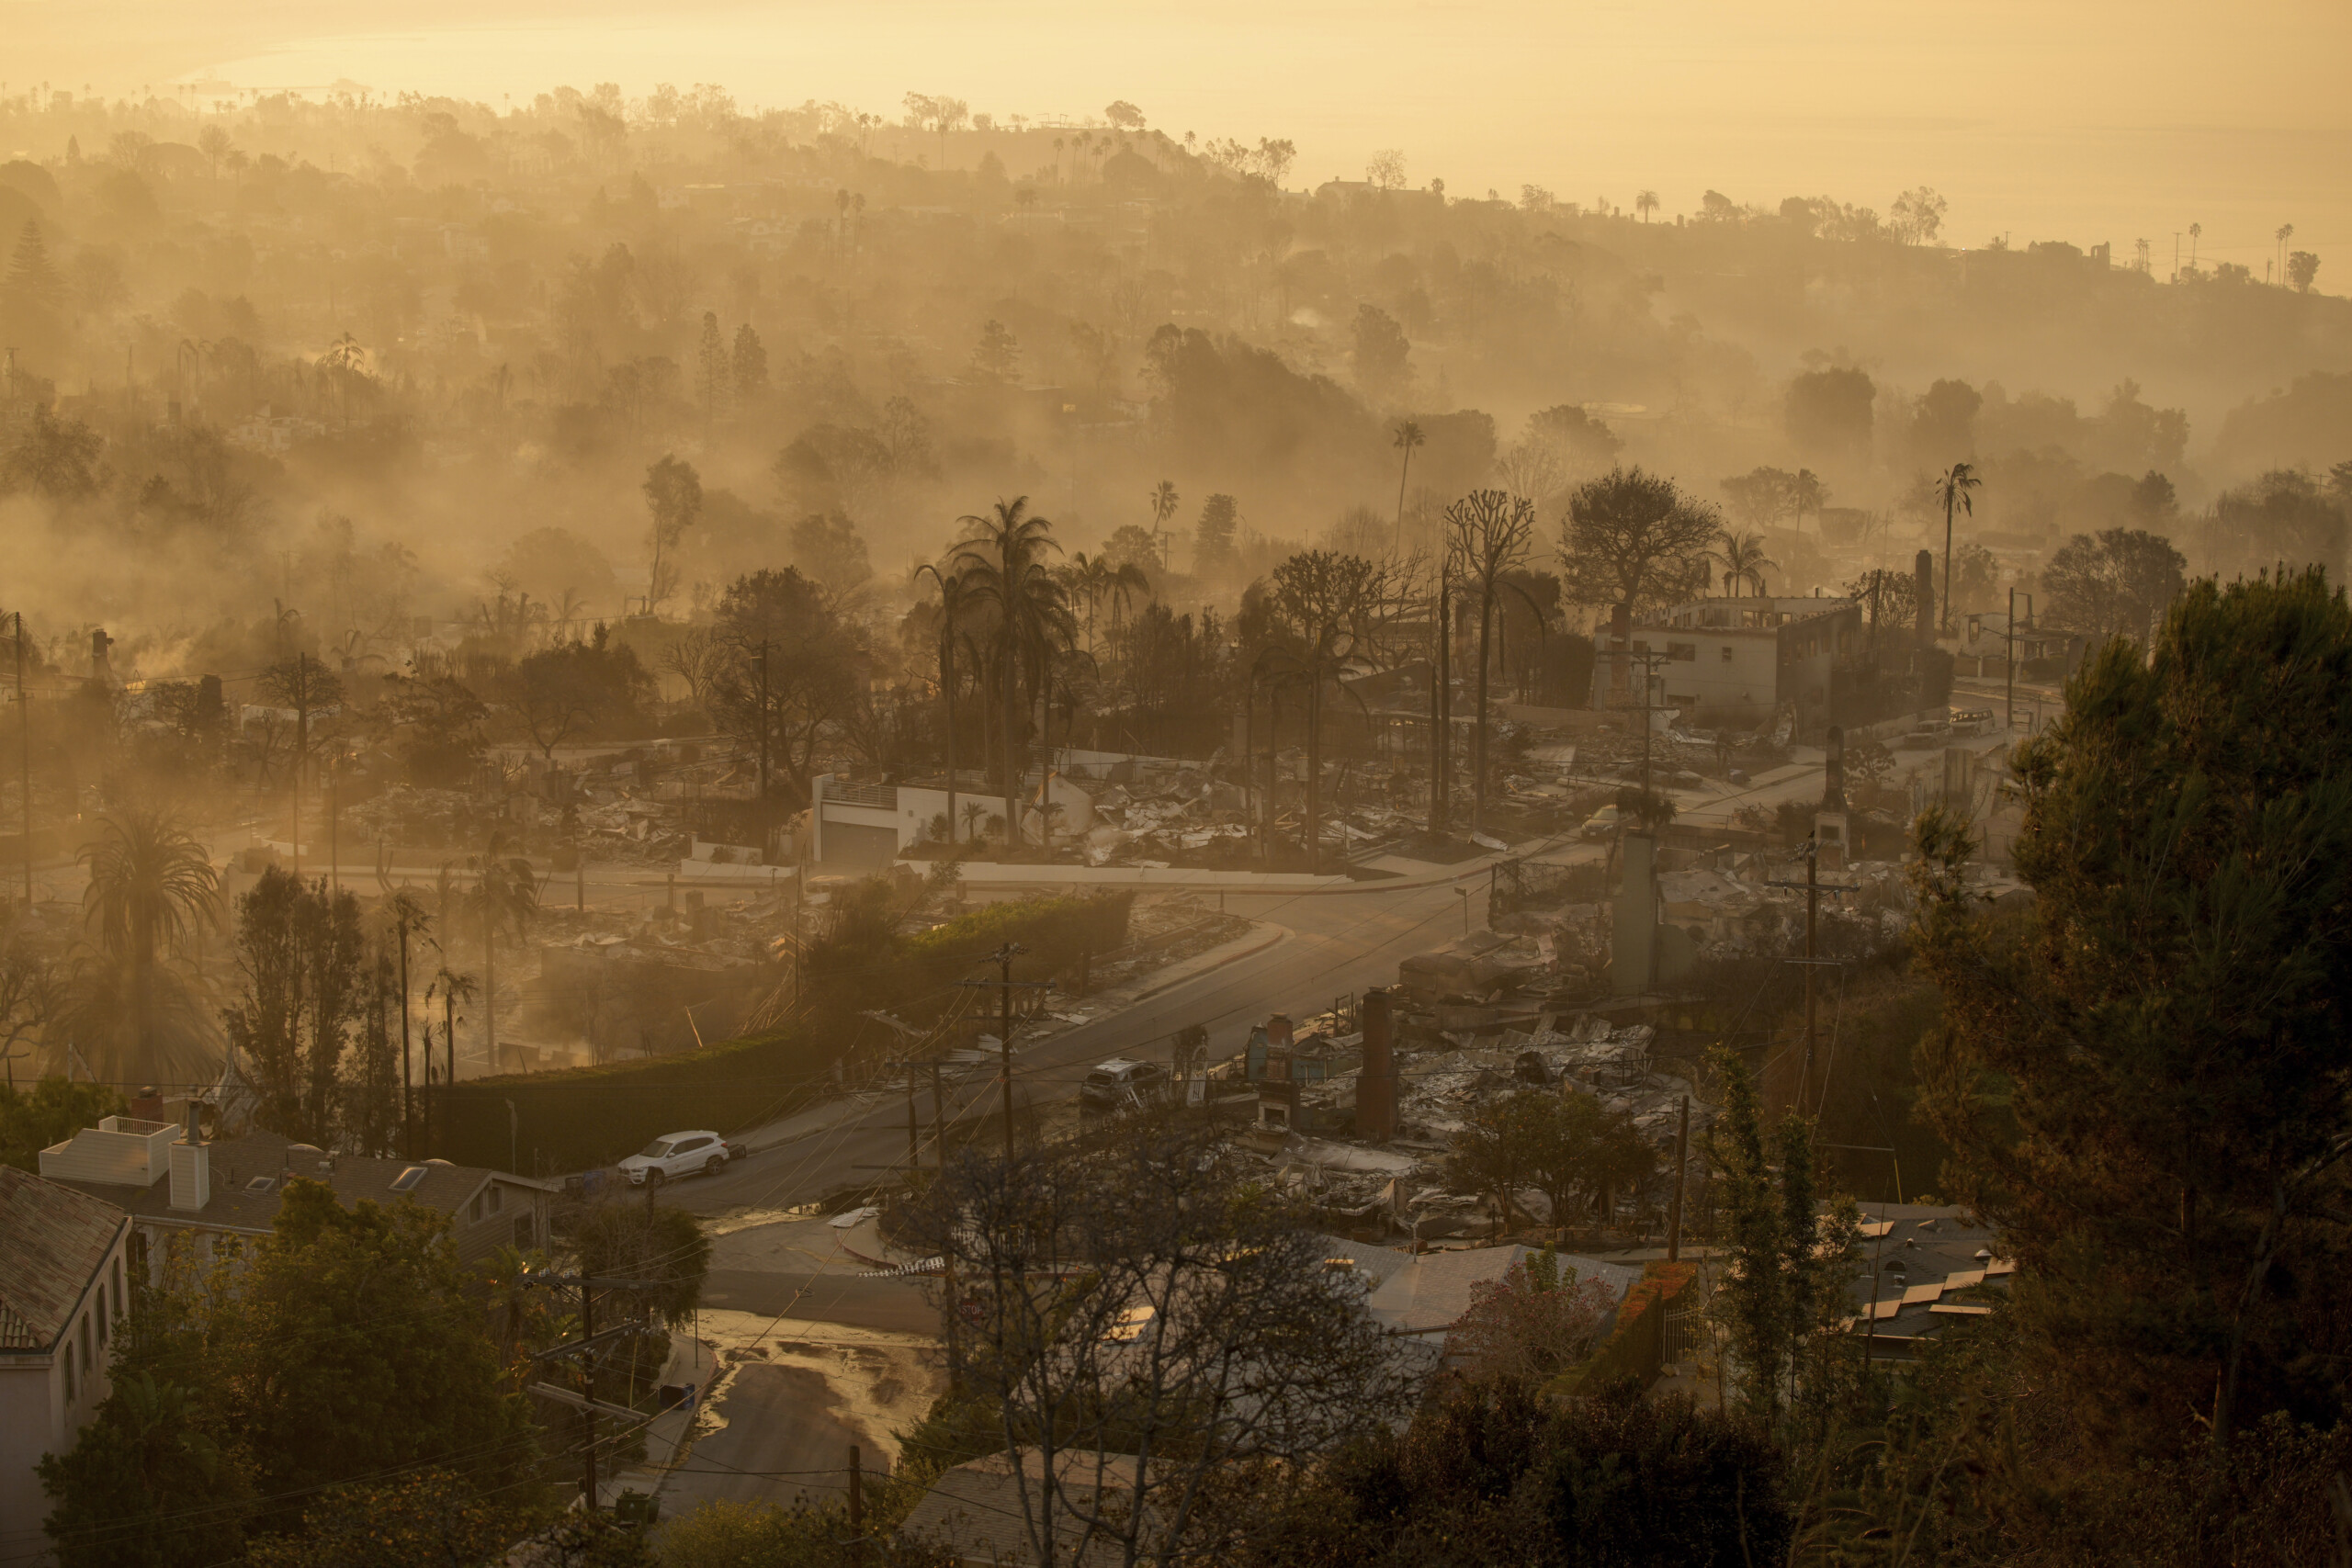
<point>1147,1326</point>
<point>1488,532</point>
<point>1326,603</point>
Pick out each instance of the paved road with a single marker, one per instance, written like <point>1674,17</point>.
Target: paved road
<point>1337,943</point>
<point>785,1439</point>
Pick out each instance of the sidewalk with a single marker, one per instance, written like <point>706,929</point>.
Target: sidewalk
<point>669,1434</point>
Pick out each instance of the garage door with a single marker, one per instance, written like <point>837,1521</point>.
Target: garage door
<point>859,845</point>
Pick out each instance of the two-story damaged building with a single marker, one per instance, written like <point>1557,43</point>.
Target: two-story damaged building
<point>220,1194</point>
<point>1732,663</point>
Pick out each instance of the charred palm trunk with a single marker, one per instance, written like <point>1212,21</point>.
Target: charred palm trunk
<point>1442,709</point>
<point>1012,696</point>
<point>948,690</point>
<point>1314,770</point>
<point>1479,734</point>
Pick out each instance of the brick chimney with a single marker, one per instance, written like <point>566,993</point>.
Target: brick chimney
<point>1377,1083</point>
<point>1278,1029</point>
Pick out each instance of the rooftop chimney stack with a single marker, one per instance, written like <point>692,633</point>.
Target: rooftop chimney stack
<point>191,1165</point>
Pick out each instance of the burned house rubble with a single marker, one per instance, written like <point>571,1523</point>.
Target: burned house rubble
<point>1353,1109</point>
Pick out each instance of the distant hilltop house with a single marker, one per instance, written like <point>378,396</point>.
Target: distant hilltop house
<point>63,1267</point>
<point>266,432</point>
<point>1730,662</point>
<point>171,1182</point>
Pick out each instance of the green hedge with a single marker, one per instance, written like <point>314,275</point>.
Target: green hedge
<point>587,1117</point>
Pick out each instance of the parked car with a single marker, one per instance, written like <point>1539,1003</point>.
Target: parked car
<point>1120,1081</point>
<point>673,1155</point>
<point>1602,823</point>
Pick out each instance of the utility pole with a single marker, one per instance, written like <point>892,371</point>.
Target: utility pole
<point>856,1508</point>
<point>2009,718</point>
<point>913,1145</point>
<point>1442,703</point>
<point>1681,1168</point>
<point>584,1348</point>
<point>23,728</point>
<point>762,662</point>
<point>1002,958</point>
<point>1813,889</point>
<point>938,1120</point>
<point>1648,662</point>
<point>588,1393</point>
<point>408,1106</point>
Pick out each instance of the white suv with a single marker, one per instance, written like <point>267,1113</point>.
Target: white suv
<point>674,1155</point>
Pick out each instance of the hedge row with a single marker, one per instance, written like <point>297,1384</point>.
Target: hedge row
<point>587,1117</point>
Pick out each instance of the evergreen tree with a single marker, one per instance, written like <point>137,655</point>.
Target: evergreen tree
<point>1213,536</point>
<point>2143,1077</point>
<point>750,367</point>
<point>1781,1294</point>
<point>714,371</point>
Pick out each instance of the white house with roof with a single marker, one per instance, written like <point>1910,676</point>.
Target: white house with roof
<point>62,1274</point>
<point>171,1182</point>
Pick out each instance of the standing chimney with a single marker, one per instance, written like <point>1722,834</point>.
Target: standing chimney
<point>1377,1083</point>
<point>1924,568</point>
<point>1833,771</point>
<point>191,1165</point>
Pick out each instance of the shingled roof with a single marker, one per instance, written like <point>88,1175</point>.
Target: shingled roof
<point>53,1240</point>
<point>248,1186</point>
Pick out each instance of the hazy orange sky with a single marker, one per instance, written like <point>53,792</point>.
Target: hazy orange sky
<point>2084,121</point>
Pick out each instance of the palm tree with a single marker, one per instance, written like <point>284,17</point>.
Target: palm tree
<point>505,893</point>
<point>2196,232</point>
<point>452,987</point>
<point>952,611</point>
<point>973,812</point>
<point>2286,233</point>
<point>1743,558</point>
<point>1003,555</point>
<point>1646,203</point>
<point>404,917</point>
<point>1163,507</point>
<point>1087,577</point>
<point>134,1012</point>
<point>1806,493</point>
<point>1953,488</point>
<point>1406,436</point>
